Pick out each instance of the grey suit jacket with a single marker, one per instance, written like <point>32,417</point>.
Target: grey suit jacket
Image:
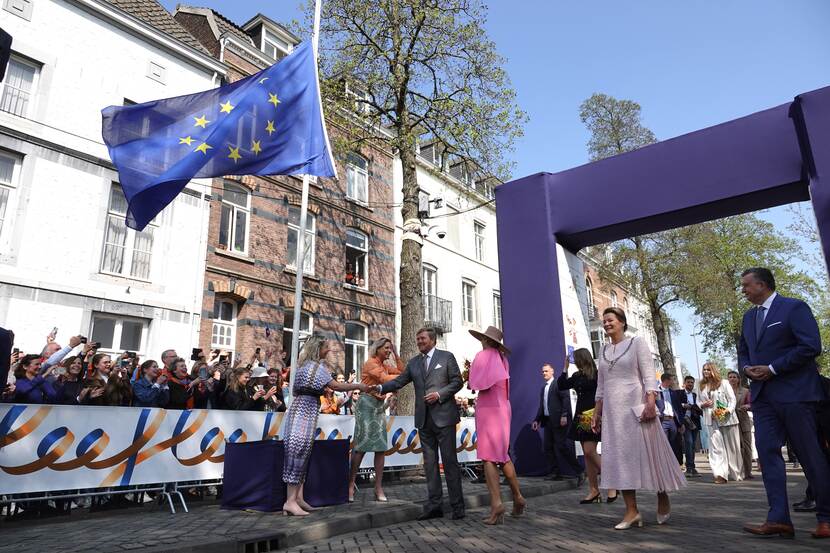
<point>443,377</point>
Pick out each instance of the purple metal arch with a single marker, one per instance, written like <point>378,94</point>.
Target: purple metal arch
<point>773,157</point>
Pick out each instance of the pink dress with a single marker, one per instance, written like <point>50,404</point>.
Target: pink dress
<point>635,455</point>
<point>489,374</point>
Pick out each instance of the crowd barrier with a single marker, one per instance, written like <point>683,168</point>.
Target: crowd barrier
<point>46,448</point>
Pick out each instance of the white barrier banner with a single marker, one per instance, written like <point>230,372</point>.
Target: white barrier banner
<point>57,447</point>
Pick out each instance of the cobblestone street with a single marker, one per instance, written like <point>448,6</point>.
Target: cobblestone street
<point>705,517</point>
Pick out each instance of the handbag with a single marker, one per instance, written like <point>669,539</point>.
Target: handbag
<point>689,423</point>
<point>638,411</point>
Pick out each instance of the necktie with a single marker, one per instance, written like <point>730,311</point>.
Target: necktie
<point>426,365</point>
<point>759,321</point>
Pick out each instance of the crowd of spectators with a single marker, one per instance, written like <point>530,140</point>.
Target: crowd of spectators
<point>78,374</point>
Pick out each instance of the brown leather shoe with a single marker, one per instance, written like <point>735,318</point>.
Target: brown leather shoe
<point>720,480</point>
<point>770,529</point>
<point>822,530</point>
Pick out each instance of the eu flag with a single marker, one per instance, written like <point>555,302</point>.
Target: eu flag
<point>268,124</point>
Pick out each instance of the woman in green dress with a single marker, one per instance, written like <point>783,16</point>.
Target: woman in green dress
<point>382,366</point>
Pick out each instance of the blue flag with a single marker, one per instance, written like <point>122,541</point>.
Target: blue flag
<point>268,124</point>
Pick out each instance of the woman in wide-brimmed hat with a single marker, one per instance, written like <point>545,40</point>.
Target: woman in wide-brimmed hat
<point>489,375</point>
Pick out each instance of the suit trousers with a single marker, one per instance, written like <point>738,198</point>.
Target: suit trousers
<point>689,442</point>
<point>434,439</point>
<point>774,423</point>
<point>559,451</point>
<point>672,435</point>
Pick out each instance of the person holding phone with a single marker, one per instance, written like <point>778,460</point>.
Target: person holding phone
<point>31,387</point>
<point>101,369</point>
<point>151,390</point>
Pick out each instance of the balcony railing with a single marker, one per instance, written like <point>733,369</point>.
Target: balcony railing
<point>593,312</point>
<point>438,313</point>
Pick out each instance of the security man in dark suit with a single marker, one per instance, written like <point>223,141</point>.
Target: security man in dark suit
<point>554,416</point>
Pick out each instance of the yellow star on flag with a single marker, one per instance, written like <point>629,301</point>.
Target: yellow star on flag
<point>272,99</point>
<point>226,107</point>
<point>234,155</point>
<point>186,140</point>
<point>203,147</point>
<point>270,127</point>
<point>201,122</point>
<point>263,79</point>
<point>255,147</point>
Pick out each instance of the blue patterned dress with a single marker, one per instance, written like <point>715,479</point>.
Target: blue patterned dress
<point>301,420</point>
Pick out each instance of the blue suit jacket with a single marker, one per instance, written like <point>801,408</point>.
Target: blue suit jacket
<point>790,342</point>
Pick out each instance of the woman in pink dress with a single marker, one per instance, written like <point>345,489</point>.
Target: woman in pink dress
<point>635,452</point>
<point>489,374</point>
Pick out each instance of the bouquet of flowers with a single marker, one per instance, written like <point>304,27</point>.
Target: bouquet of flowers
<point>583,421</point>
<point>721,413</point>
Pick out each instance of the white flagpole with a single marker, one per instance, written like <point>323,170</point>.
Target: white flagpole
<point>298,287</point>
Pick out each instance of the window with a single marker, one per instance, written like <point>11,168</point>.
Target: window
<point>233,224</point>
<point>18,86</point>
<point>293,238</point>
<point>614,301</point>
<point>288,331</point>
<point>596,342</point>
<point>127,252</point>
<point>497,309</point>
<point>478,230</point>
<point>357,250</point>
<point>224,324</point>
<point>468,301</point>
<point>118,334</point>
<point>356,347</point>
<point>589,293</point>
<point>357,178</point>
<point>273,45</point>
<point>8,178</point>
<point>430,283</point>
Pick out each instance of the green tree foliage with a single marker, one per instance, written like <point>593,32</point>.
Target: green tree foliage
<point>423,71</point>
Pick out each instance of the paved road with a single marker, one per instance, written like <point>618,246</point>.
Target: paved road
<point>705,518</point>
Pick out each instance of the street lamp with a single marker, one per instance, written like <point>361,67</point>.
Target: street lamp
<point>697,361</point>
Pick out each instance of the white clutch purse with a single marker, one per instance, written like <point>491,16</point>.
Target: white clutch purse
<point>638,411</point>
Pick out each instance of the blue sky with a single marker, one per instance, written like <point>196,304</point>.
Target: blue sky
<point>689,64</point>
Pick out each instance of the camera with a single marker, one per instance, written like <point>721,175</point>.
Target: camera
<point>441,234</point>
<point>130,355</point>
<point>96,345</point>
<point>83,339</point>
<point>196,354</point>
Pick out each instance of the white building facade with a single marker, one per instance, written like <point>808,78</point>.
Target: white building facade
<point>67,259</point>
<point>459,256</point>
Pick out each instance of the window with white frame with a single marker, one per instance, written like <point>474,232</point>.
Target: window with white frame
<point>18,86</point>
<point>235,219</point>
<point>306,328</point>
<point>357,344</point>
<point>597,339</point>
<point>9,170</point>
<point>357,258</point>
<point>614,301</point>
<point>127,252</point>
<point>223,327</point>
<point>293,239</point>
<point>589,293</point>
<point>357,178</point>
<point>497,309</point>
<point>478,231</point>
<point>119,334</point>
<point>469,303</point>
<point>273,45</point>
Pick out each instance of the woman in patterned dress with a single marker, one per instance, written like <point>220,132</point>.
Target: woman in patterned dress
<point>310,381</point>
<point>382,366</point>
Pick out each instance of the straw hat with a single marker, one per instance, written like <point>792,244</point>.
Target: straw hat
<point>492,333</point>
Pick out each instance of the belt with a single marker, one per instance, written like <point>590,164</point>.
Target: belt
<point>666,418</point>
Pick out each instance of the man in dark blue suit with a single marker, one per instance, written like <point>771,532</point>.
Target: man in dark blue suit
<point>671,414</point>
<point>777,352</point>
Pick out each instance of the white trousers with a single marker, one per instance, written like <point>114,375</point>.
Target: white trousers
<point>725,451</point>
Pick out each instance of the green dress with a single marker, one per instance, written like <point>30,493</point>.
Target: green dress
<point>369,425</point>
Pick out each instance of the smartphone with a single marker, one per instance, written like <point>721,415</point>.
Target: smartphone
<point>96,345</point>
<point>257,351</point>
<point>131,354</point>
<point>54,331</point>
<point>195,354</point>
<point>125,362</point>
<point>223,358</point>
<point>203,373</point>
<point>16,350</point>
<point>83,339</point>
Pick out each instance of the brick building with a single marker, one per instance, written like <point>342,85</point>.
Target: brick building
<point>349,284</point>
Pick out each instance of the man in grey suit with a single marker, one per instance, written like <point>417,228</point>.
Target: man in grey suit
<point>437,379</point>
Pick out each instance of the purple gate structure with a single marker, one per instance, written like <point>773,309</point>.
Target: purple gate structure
<point>773,157</point>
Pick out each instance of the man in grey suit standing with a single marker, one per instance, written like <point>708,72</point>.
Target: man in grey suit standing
<point>437,379</point>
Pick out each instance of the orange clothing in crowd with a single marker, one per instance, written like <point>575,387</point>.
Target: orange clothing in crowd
<point>375,372</point>
<point>328,405</point>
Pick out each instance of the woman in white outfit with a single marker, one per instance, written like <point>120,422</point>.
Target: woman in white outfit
<point>724,434</point>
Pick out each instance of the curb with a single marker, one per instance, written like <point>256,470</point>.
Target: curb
<point>392,514</point>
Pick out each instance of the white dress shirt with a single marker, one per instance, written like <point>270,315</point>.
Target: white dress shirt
<point>545,400</point>
<point>668,410</point>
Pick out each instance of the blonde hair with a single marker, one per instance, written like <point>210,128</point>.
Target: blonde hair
<point>377,344</point>
<point>713,382</point>
<point>311,350</point>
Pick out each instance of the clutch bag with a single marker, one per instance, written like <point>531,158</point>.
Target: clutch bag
<point>638,411</point>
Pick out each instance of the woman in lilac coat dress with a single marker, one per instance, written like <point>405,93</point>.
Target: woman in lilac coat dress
<point>490,374</point>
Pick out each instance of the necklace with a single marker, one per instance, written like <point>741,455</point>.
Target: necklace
<point>612,362</point>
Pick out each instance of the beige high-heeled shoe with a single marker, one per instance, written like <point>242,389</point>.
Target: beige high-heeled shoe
<point>636,521</point>
<point>496,517</point>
